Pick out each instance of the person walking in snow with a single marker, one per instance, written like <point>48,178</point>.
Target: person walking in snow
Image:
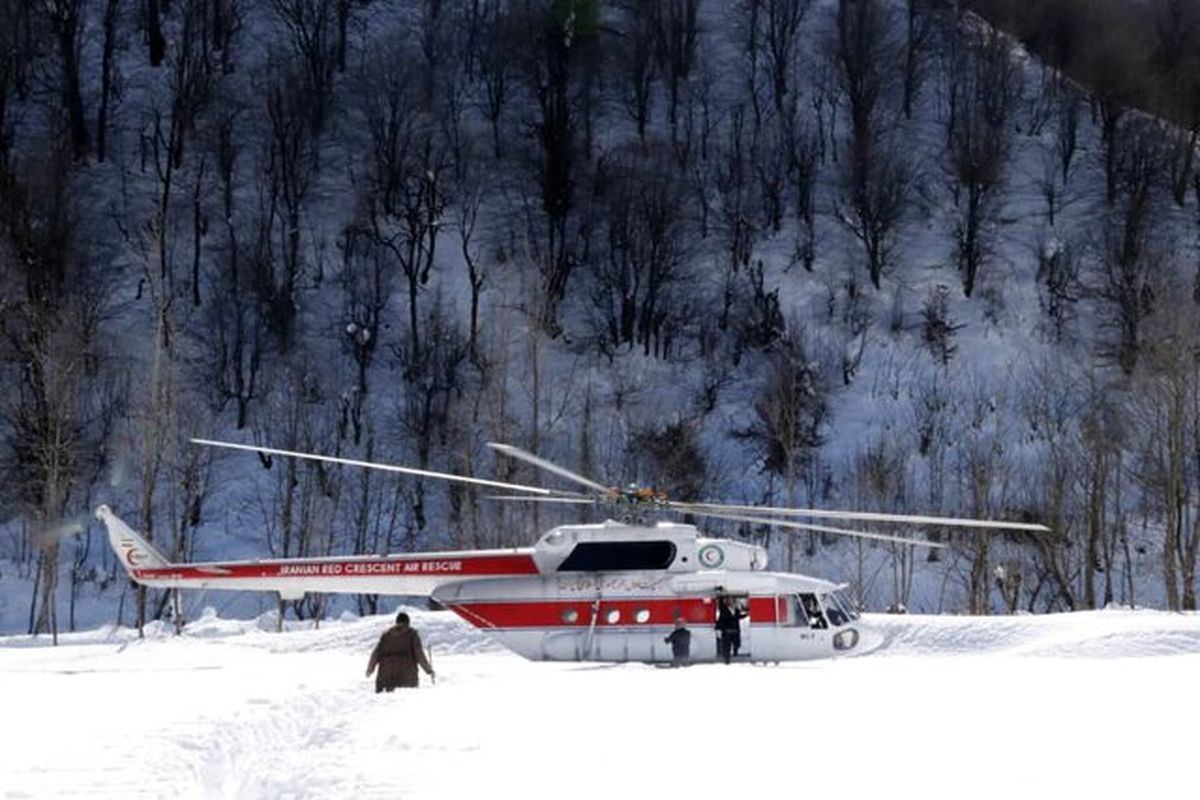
<point>680,640</point>
<point>397,655</point>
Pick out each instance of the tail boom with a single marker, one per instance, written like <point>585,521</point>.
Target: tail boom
<point>407,574</point>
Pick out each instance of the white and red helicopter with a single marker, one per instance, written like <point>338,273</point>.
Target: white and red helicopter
<point>601,592</point>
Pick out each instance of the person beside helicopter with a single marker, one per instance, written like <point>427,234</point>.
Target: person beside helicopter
<point>729,628</point>
<point>680,640</point>
<point>397,655</point>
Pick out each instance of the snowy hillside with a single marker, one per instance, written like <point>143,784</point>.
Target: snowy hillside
<point>865,254</point>
<point>1078,705</point>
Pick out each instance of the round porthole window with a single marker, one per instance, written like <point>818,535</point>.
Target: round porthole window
<point>612,616</point>
<point>570,616</point>
<point>642,615</point>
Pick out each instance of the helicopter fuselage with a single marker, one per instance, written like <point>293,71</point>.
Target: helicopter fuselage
<point>606,592</point>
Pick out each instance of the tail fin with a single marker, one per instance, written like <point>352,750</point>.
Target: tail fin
<point>134,551</point>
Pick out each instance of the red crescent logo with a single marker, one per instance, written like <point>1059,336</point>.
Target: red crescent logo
<point>132,556</point>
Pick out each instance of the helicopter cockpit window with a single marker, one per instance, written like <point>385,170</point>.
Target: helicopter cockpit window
<point>847,604</point>
<point>618,556</point>
<point>837,614</point>
<point>807,605</point>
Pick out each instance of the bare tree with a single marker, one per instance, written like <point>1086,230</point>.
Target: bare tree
<point>638,280</point>
<point>676,34</point>
<point>638,63</point>
<point>432,370</point>
<point>864,53</point>
<point>790,417</point>
<point>226,24</point>
<point>772,156</point>
<point>1111,86</point>
<point>405,221</point>
<point>433,29</point>
<point>1059,270</point>
<point>67,24</point>
<point>1052,411</point>
<point>107,67</point>
<point>497,66</point>
<point>311,25</point>
<point>920,31</point>
<point>982,472</point>
<point>780,21</point>
<point>1175,38</point>
<point>366,287</point>
<point>562,35</point>
<point>299,506</point>
<point>288,171</point>
<point>237,341</point>
<point>803,168</point>
<point>878,194</point>
<point>988,87</point>
<point>45,351</point>
<point>1128,269</point>
<point>466,211</point>
<point>877,175</point>
<point>155,40</point>
<point>736,212</point>
<point>938,328</point>
<point>1165,411</point>
<point>1100,441</point>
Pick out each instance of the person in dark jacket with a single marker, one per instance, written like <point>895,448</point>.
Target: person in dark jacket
<point>680,640</point>
<point>729,628</point>
<point>397,656</point>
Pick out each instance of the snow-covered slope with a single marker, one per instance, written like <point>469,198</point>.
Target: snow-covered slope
<point>1078,705</point>
<point>1001,427</point>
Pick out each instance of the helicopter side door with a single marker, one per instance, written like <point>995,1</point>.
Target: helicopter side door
<point>740,604</point>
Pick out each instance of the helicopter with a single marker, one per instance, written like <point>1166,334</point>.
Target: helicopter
<point>606,592</point>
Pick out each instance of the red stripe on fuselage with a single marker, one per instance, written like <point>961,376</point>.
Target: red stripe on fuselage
<point>450,564</point>
<point>652,611</point>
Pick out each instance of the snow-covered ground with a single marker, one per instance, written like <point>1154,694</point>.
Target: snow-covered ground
<point>1081,705</point>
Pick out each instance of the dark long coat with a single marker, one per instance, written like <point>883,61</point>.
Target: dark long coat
<point>397,656</point>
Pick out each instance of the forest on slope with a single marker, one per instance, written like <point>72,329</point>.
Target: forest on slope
<point>847,253</point>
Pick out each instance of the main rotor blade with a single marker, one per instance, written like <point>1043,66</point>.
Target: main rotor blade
<point>530,458</point>
<point>870,516</point>
<point>582,501</point>
<point>803,526</point>
<point>515,487</point>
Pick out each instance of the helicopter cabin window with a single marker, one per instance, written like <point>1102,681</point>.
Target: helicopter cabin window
<point>613,616</point>
<point>570,616</point>
<point>799,617</point>
<point>618,556</point>
<point>642,615</point>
